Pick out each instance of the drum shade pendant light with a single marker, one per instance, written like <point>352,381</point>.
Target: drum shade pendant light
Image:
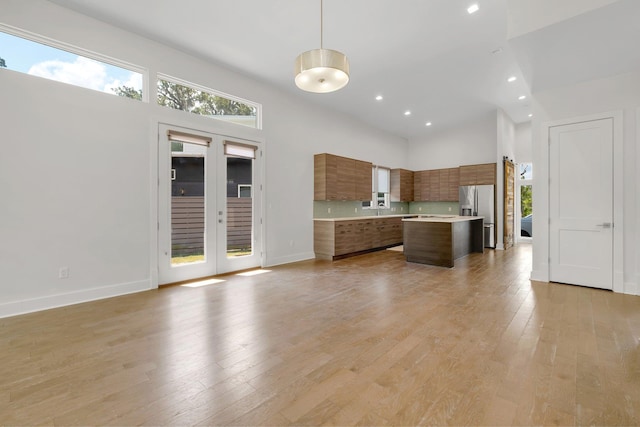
<point>321,70</point>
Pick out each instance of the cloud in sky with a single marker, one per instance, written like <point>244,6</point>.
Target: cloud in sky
<point>83,72</point>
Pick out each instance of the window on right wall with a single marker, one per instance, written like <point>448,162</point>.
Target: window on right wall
<point>380,187</point>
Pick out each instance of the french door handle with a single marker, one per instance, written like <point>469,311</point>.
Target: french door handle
<point>604,225</point>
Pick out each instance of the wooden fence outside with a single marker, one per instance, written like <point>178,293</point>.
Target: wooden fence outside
<point>188,222</point>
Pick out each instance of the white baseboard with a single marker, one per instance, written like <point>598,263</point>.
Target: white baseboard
<point>15,308</point>
<point>632,288</point>
<point>271,262</point>
<point>539,276</point>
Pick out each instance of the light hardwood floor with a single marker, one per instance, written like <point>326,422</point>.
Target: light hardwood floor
<point>369,340</point>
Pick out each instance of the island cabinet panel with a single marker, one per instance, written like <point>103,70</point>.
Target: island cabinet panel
<point>442,241</point>
<point>340,238</point>
<point>341,178</point>
<point>438,251</point>
<point>484,174</point>
<point>402,185</point>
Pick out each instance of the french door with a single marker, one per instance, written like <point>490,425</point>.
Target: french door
<point>581,203</point>
<point>209,204</point>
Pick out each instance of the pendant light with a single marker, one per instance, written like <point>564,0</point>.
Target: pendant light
<point>321,70</point>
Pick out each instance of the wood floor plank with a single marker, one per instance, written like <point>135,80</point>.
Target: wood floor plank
<point>368,340</point>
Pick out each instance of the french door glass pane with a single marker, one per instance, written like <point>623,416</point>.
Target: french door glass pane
<point>187,203</point>
<point>239,206</point>
<point>526,211</point>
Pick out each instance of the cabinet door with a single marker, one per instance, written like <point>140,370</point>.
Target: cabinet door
<point>426,186</point>
<point>401,185</point>
<point>486,174</point>
<point>325,177</point>
<point>444,185</point>
<point>346,178</point>
<point>434,185</point>
<point>417,186</point>
<point>454,183</point>
<point>344,237</point>
<point>468,175</point>
<point>406,185</point>
<point>363,180</point>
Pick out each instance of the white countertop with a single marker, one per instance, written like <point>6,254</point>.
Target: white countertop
<point>442,218</point>
<point>407,217</point>
<point>358,218</point>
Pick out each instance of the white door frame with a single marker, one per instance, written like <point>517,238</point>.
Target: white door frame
<point>222,129</point>
<point>542,190</point>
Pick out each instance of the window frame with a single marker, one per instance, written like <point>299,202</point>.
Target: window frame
<point>76,50</point>
<point>210,91</point>
<point>374,203</point>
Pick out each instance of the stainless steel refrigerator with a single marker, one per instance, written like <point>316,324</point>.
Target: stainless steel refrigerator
<point>479,200</point>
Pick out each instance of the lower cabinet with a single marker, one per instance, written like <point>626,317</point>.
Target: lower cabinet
<point>337,239</point>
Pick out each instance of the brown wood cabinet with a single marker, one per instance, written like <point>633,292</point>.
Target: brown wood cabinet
<point>337,239</point>
<point>437,185</point>
<point>402,181</point>
<point>483,174</point>
<point>341,178</point>
<point>363,180</point>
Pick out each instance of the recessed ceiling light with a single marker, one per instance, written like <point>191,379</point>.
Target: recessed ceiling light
<point>428,124</point>
<point>512,79</point>
<point>473,8</point>
<point>407,113</point>
<point>530,115</point>
<point>521,97</point>
<point>379,98</point>
<point>497,50</point>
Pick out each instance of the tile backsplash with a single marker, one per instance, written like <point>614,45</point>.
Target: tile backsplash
<point>341,209</point>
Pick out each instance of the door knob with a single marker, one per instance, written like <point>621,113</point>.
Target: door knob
<point>604,225</point>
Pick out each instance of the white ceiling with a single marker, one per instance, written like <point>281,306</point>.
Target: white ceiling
<point>427,56</point>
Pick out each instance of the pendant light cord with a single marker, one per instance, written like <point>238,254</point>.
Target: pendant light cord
<point>321,24</point>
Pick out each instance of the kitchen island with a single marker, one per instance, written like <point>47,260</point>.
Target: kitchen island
<point>440,240</point>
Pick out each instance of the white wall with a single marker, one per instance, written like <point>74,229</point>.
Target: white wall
<point>505,148</point>
<point>523,147</point>
<point>79,167</point>
<point>468,144</point>
<point>617,93</point>
<point>525,16</point>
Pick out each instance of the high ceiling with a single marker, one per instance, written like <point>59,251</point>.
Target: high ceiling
<point>430,57</point>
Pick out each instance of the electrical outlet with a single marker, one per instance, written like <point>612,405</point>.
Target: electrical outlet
<point>292,243</point>
<point>449,208</point>
<point>401,208</point>
<point>356,210</point>
<point>63,273</point>
<point>419,208</point>
<point>328,210</point>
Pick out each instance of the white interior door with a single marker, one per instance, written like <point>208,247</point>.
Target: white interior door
<point>581,203</point>
<point>209,205</point>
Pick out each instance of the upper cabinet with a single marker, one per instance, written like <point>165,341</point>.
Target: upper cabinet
<point>341,178</point>
<point>484,174</point>
<point>438,185</point>
<point>402,181</point>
